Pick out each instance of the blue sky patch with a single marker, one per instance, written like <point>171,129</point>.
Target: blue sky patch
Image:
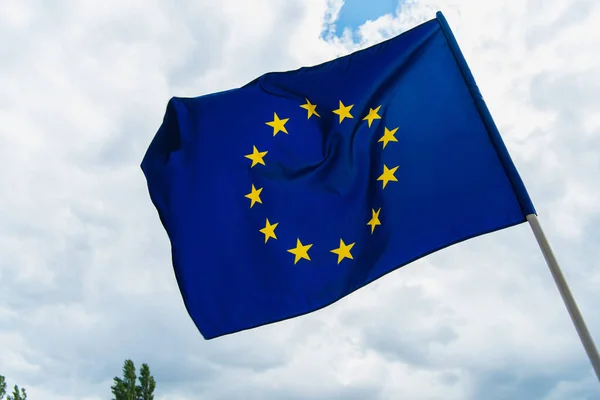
<point>356,12</point>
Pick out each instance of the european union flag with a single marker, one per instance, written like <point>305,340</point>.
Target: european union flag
<point>287,194</point>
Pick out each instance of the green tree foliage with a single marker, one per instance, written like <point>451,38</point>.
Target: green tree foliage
<point>147,384</point>
<point>2,387</point>
<point>125,388</point>
<point>16,395</point>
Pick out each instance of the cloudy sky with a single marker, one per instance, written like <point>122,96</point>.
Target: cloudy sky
<point>85,273</point>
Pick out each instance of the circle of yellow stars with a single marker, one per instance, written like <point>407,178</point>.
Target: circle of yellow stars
<point>300,251</point>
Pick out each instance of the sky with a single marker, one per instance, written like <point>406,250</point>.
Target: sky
<point>85,271</point>
<point>354,13</point>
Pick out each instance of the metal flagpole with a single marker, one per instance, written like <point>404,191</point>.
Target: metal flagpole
<point>563,288</point>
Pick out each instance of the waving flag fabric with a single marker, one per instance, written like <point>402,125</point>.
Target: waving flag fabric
<point>285,195</point>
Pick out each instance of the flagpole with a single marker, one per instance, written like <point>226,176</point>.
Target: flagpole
<point>563,288</point>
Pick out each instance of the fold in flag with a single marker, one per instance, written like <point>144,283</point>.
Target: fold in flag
<point>285,195</point>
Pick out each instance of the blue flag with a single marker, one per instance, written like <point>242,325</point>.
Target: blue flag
<point>285,195</point>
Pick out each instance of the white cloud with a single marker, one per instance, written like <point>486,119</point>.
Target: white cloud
<point>85,278</point>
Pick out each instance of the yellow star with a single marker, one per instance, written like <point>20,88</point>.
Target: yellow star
<point>300,251</point>
<point>388,136</point>
<point>372,115</point>
<point>343,251</point>
<point>311,108</point>
<point>254,195</point>
<point>343,111</point>
<point>374,220</point>
<point>269,230</point>
<point>278,124</point>
<point>388,175</point>
<point>256,156</point>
